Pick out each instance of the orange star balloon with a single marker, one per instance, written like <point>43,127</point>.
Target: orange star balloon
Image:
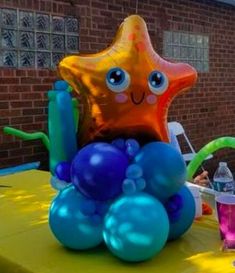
<point>127,88</point>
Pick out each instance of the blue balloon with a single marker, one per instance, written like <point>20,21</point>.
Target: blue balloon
<point>129,186</point>
<point>173,207</point>
<point>132,147</point>
<point>164,169</point>
<point>136,227</point>
<point>61,85</point>
<point>62,171</point>
<point>58,184</point>
<point>134,171</point>
<point>98,171</point>
<point>119,143</point>
<point>69,225</point>
<point>183,216</point>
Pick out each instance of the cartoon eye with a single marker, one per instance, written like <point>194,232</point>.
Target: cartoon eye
<point>117,79</point>
<point>158,82</point>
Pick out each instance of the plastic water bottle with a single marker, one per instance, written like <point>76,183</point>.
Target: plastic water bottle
<point>223,179</point>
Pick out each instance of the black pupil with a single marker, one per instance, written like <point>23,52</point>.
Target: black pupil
<point>156,79</point>
<point>116,76</point>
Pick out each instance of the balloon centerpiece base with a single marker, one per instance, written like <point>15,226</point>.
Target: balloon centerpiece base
<point>133,198</point>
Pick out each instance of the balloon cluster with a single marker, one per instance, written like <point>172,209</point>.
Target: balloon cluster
<point>133,198</point>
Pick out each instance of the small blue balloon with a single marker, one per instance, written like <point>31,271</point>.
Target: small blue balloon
<point>136,227</point>
<point>140,184</point>
<point>163,168</point>
<point>69,225</point>
<point>62,171</point>
<point>119,143</point>
<point>181,215</point>
<point>134,171</point>
<point>58,184</point>
<point>128,186</point>
<point>61,85</point>
<point>132,147</point>
<point>98,171</point>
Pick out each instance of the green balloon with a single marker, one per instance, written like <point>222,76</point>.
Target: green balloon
<point>210,148</point>
<point>28,136</point>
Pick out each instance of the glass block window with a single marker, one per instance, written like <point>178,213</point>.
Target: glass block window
<point>187,47</point>
<point>34,39</point>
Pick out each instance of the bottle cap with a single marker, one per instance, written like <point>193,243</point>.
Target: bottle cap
<point>223,164</point>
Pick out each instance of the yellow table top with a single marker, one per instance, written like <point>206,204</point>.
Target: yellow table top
<point>27,244</point>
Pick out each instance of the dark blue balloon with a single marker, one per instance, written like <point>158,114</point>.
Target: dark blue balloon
<point>173,207</point>
<point>119,143</point>
<point>98,171</point>
<point>182,218</point>
<point>62,171</point>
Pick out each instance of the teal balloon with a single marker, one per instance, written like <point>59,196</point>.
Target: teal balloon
<point>186,215</point>
<point>164,169</point>
<point>72,228</point>
<point>136,227</point>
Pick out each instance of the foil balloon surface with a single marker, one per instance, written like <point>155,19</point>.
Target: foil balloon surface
<point>126,89</point>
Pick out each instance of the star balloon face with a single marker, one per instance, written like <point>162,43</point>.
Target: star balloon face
<point>126,89</point>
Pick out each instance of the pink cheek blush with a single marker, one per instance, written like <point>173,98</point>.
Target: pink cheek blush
<point>121,98</point>
<point>151,99</point>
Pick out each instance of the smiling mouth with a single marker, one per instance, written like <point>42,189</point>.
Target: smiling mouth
<point>135,101</point>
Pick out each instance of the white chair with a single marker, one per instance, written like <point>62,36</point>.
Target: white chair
<point>176,129</point>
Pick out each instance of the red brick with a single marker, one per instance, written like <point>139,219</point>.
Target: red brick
<point>31,143</point>
<point>30,80</point>
<point>40,118</point>
<point>43,73</point>
<point>8,72</point>
<point>9,97</point>
<point>10,113</point>
<point>4,121</point>
<point>32,127</point>
<point>8,138</point>
<point>43,87</point>
<point>9,145</point>
<point>31,96</point>
<point>32,112</point>
<point>21,104</point>
<point>4,104</point>
<point>52,73</point>
<point>4,154</point>
<point>21,120</point>
<point>32,73</point>
<point>9,80</point>
<point>19,88</point>
<point>21,151</point>
<point>37,157</point>
<point>20,73</point>
<point>11,161</point>
<point>35,4</point>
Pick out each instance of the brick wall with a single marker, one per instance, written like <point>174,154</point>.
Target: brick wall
<point>207,112</point>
